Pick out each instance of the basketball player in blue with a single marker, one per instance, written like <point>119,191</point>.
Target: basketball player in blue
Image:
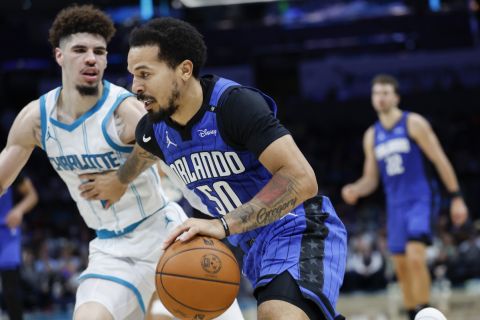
<point>223,143</point>
<point>396,147</point>
<point>11,216</point>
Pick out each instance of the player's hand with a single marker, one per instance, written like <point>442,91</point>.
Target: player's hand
<point>102,186</point>
<point>349,194</point>
<point>458,211</point>
<point>14,218</point>
<point>192,227</point>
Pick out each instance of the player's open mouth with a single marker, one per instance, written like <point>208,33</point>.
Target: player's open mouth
<point>147,101</point>
<point>148,104</point>
<point>90,75</point>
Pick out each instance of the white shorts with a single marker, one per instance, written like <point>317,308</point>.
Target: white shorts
<point>121,270</point>
<point>232,313</point>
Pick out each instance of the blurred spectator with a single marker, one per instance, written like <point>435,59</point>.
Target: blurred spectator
<point>365,266</point>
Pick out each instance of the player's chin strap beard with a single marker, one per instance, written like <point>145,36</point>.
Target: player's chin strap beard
<point>87,91</point>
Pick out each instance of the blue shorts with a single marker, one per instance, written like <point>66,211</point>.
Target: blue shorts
<point>311,244</point>
<point>10,247</point>
<point>410,221</point>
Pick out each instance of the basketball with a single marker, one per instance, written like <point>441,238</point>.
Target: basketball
<point>430,314</point>
<point>198,279</point>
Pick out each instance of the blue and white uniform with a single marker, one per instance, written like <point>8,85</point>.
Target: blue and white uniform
<point>222,174</point>
<point>407,185</point>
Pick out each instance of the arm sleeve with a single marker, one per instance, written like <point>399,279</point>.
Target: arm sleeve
<point>248,122</point>
<point>145,137</point>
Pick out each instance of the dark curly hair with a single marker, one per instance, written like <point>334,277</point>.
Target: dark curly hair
<point>76,19</point>
<point>177,41</point>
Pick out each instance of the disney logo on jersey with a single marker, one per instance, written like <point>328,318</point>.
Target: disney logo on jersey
<point>205,132</point>
<point>99,161</point>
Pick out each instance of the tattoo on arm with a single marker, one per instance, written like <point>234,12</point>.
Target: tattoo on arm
<point>276,199</point>
<point>136,163</point>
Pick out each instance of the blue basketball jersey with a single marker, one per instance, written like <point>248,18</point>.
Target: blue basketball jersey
<point>309,242</point>
<point>222,177</point>
<point>401,163</point>
<point>6,204</point>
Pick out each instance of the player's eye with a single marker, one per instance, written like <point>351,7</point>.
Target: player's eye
<point>100,52</point>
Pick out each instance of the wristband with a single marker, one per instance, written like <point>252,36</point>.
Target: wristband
<point>225,225</point>
<point>455,194</point>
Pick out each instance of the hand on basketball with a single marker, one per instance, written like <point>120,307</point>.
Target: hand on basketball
<point>102,186</point>
<point>458,211</point>
<point>349,194</point>
<point>14,218</point>
<point>192,227</point>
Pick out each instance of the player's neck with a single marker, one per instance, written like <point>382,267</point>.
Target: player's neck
<point>190,102</point>
<point>390,118</point>
<point>71,105</point>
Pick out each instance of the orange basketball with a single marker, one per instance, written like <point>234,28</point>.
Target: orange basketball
<point>198,279</point>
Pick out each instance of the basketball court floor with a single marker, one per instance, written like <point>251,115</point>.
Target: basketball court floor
<point>457,304</point>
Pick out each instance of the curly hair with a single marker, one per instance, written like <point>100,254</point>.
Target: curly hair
<point>177,41</point>
<point>76,19</point>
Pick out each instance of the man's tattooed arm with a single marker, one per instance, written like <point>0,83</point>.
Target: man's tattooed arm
<point>137,162</point>
<point>277,198</point>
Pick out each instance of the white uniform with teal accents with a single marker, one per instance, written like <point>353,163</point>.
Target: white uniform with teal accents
<point>91,144</point>
<point>130,232</point>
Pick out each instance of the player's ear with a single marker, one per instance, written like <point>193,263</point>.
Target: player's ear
<point>186,69</point>
<point>58,56</point>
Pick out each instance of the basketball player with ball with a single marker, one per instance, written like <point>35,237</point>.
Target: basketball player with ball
<point>87,125</point>
<point>224,143</point>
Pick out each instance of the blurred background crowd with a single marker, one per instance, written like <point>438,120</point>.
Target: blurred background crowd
<point>316,58</point>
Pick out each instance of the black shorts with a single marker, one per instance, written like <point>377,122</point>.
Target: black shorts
<point>284,287</point>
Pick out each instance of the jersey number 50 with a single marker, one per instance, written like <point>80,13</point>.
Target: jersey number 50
<point>223,196</point>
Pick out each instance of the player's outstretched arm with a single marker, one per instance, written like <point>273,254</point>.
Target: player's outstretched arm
<point>293,181</point>
<point>24,135</point>
<point>368,182</point>
<point>421,131</point>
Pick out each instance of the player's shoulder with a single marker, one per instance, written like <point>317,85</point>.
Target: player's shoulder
<point>28,118</point>
<point>369,133</point>
<point>144,126</point>
<point>415,117</point>
<point>368,137</point>
<point>415,120</point>
<point>130,105</point>
<point>243,94</point>
<point>31,111</point>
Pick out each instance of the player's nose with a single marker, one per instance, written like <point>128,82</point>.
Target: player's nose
<point>90,57</point>
<point>137,86</point>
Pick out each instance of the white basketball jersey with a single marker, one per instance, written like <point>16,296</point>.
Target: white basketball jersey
<point>91,144</point>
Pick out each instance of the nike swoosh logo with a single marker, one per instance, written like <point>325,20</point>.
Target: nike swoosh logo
<point>145,139</point>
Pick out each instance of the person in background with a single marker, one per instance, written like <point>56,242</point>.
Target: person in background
<point>11,217</point>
